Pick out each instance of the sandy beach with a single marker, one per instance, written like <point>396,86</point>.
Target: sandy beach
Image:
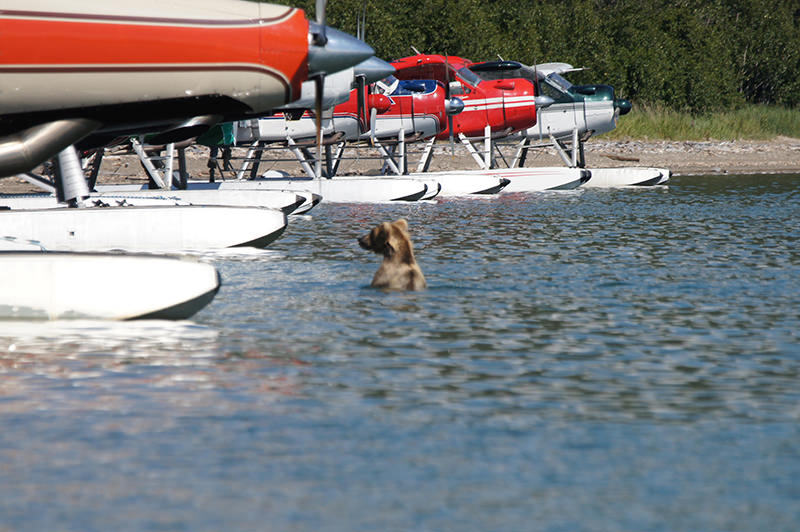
<point>780,155</point>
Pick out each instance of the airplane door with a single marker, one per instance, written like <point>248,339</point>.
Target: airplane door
<point>498,113</point>
<point>495,112</point>
<point>560,118</point>
<point>475,116</point>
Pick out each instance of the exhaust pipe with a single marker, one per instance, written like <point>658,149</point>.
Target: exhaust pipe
<point>27,149</point>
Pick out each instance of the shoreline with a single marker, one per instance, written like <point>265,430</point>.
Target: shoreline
<point>775,156</point>
<point>779,155</point>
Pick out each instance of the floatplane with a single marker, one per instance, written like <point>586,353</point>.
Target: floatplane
<point>187,65</point>
<point>296,128</point>
<point>493,109</point>
<point>577,112</point>
<point>380,116</point>
<point>299,130</point>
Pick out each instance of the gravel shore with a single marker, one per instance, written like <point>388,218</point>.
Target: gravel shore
<point>780,155</point>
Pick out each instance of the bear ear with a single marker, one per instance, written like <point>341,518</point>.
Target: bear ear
<point>385,228</point>
<point>402,224</point>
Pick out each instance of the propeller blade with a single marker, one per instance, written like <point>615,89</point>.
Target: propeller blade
<point>361,100</point>
<point>452,107</point>
<point>446,78</point>
<point>447,99</point>
<point>373,117</point>
<point>319,85</point>
<point>452,140</point>
<point>320,13</point>
<point>361,31</point>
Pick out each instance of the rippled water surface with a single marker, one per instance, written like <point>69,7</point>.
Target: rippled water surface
<point>587,360</point>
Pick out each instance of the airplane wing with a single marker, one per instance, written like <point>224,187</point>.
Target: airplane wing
<point>545,69</point>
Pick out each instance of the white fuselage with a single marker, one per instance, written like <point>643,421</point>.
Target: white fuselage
<point>279,128</point>
<point>560,119</point>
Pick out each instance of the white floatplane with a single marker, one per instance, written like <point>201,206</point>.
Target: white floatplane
<point>79,92</point>
<point>397,111</point>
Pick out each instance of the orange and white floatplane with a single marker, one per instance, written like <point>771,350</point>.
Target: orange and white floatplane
<point>493,109</point>
<point>498,98</point>
<point>81,73</point>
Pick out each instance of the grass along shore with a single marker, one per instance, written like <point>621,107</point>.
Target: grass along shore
<point>753,122</point>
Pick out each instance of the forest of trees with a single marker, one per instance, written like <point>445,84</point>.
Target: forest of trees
<point>689,55</point>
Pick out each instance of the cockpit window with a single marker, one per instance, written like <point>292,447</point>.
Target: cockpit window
<point>469,76</point>
<point>549,87</point>
<point>416,86</point>
<point>387,85</point>
<point>491,75</point>
<point>559,81</point>
<point>528,73</point>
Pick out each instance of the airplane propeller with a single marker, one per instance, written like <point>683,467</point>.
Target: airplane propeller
<point>361,23</point>
<point>320,33</point>
<point>373,122</point>
<point>538,93</point>
<point>319,85</point>
<point>320,39</point>
<point>447,101</point>
<point>331,50</point>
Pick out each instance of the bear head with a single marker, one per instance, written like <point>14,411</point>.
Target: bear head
<point>388,239</point>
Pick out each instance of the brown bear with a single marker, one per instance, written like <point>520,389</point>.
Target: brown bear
<point>399,270</point>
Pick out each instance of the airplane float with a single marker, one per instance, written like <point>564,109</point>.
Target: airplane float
<point>123,69</point>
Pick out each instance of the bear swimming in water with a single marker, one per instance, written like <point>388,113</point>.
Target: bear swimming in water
<point>399,269</point>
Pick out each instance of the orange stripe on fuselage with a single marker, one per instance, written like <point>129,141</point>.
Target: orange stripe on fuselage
<point>58,43</point>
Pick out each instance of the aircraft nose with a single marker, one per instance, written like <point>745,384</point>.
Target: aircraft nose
<point>624,106</point>
<point>339,52</point>
<point>374,69</point>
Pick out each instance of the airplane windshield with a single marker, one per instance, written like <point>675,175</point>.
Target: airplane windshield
<point>554,90</point>
<point>520,71</point>
<point>469,76</point>
<point>387,85</point>
<point>559,82</point>
<point>414,86</point>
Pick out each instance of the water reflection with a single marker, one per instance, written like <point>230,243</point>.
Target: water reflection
<point>141,338</point>
<point>80,366</point>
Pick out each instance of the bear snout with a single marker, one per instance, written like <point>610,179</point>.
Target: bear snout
<point>364,242</point>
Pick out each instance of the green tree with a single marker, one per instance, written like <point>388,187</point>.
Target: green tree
<point>686,54</point>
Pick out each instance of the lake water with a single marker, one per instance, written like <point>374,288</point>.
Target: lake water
<point>586,360</point>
